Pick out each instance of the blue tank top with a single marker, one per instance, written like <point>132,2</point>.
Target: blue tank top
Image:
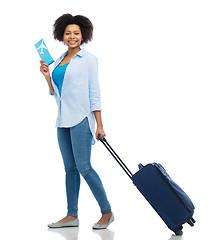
<point>58,76</point>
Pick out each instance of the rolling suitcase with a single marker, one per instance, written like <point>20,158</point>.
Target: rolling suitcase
<point>169,201</point>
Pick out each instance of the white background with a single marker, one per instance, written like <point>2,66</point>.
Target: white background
<point>154,59</point>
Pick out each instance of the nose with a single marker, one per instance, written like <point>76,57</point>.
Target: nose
<point>72,36</point>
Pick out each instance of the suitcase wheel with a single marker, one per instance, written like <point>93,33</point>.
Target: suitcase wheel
<point>191,222</point>
<point>178,231</point>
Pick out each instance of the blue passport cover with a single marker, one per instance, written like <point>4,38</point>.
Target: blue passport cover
<point>43,52</point>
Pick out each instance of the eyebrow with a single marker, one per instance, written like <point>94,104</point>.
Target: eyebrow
<point>73,31</point>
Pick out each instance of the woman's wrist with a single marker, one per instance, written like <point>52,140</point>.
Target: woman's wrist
<point>48,78</point>
<point>99,129</point>
<point>100,125</point>
<point>98,119</point>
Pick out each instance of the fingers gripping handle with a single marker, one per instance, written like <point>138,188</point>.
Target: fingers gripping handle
<point>100,138</point>
<point>117,158</point>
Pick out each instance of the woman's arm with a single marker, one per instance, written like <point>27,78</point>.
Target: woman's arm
<point>50,86</point>
<point>99,129</point>
<point>94,95</point>
<point>44,69</point>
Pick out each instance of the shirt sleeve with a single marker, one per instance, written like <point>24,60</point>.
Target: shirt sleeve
<point>94,89</point>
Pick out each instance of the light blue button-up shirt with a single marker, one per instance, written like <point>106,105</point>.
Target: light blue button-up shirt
<point>80,91</point>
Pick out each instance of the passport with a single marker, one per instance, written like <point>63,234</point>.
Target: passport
<point>44,52</point>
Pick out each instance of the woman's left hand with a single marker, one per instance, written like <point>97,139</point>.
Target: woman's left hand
<point>100,131</point>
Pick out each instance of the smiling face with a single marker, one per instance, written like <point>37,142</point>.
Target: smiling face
<point>72,36</point>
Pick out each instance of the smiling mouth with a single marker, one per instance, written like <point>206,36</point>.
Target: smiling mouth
<point>72,42</point>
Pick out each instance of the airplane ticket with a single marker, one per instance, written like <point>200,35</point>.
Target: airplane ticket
<point>44,52</point>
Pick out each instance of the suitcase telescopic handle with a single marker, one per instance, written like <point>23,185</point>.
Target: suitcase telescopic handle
<point>116,157</point>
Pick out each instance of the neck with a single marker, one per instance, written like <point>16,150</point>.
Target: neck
<point>73,51</point>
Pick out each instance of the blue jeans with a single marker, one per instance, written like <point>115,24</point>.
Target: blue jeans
<point>75,147</point>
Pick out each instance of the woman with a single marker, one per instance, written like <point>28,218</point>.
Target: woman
<point>74,83</point>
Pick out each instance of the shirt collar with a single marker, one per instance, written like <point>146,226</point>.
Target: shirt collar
<point>80,53</point>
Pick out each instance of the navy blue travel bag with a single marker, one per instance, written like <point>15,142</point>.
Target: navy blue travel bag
<point>170,202</point>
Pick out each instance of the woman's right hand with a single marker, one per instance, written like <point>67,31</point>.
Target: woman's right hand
<point>44,69</point>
